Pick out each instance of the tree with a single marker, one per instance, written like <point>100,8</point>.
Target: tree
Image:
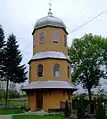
<point>2,45</point>
<point>89,60</point>
<point>100,111</point>
<point>15,72</point>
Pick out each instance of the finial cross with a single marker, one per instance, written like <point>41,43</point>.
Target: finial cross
<point>50,4</point>
<point>50,13</point>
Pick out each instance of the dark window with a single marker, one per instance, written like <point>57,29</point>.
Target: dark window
<point>42,37</point>
<point>68,70</point>
<point>55,37</point>
<point>40,70</point>
<point>29,72</point>
<point>65,40</point>
<point>56,70</point>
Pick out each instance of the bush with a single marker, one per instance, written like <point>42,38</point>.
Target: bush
<point>2,93</point>
<point>100,111</point>
<point>81,108</point>
<point>13,94</point>
<point>67,110</point>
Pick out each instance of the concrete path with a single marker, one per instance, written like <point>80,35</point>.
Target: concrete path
<point>5,116</point>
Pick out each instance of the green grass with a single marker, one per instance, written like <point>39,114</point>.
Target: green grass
<point>36,117</point>
<point>10,111</point>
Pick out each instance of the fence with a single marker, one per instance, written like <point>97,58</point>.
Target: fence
<point>63,104</point>
<point>84,109</point>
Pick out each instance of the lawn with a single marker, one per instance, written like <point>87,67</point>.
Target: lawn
<point>36,117</point>
<point>10,111</point>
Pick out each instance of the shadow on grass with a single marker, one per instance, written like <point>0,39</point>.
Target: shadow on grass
<point>5,111</point>
<point>37,117</point>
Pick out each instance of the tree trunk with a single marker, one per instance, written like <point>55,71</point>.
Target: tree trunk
<point>6,98</point>
<point>89,94</point>
<point>90,102</point>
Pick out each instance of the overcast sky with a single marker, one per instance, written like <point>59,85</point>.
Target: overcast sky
<point>19,17</point>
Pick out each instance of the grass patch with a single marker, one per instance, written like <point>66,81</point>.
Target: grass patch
<point>36,117</point>
<point>10,111</point>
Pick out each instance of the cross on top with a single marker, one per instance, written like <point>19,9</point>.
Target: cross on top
<point>50,13</point>
<point>50,5</point>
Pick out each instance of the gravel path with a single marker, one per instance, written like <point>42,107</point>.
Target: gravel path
<point>5,117</point>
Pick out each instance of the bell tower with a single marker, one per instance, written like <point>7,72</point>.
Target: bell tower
<point>50,66</point>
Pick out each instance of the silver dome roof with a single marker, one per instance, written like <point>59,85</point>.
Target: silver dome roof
<point>49,20</point>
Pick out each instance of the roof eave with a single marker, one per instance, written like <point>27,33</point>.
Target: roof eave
<point>67,89</point>
<point>48,58</point>
<point>49,26</point>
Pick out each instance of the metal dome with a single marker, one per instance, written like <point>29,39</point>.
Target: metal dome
<point>49,20</point>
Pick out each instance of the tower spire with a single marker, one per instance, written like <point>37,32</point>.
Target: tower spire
<point>50,12</point>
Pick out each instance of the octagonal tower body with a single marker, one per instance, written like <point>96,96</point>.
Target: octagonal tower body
<point>49,67</point>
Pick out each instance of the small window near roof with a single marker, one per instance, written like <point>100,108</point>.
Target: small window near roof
<point>56,70</point>
<point>40,70</point>
<point>42,37</point>
<point>30,72</point>
<point>65,40</point>
<point>68,71</point>
<point>55,37</point>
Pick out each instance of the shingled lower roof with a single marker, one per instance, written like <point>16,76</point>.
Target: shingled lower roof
<point>50,54</point>
<point>49,85</point>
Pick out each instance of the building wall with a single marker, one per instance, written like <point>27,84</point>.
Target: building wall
<point>48,70</point>
<point>32,100</point>
<point>50,100</point>
<point>48,45</point>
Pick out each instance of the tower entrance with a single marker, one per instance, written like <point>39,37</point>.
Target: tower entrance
<point>39,100</point>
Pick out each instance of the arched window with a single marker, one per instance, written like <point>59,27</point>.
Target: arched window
<point>56,70</point>
<point>65,40</point>
<point>29,72</point>
<point>68,70</point>
<point>55,37</point>
<point>40,70</point>
<point>42,37</point>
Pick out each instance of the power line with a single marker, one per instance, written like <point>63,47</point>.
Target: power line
<point>88,21</point>
<point>55,1</point>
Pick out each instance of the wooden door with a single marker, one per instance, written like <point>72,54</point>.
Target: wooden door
<point>39,100</point>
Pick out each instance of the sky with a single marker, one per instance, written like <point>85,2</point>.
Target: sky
<point>20,16</point>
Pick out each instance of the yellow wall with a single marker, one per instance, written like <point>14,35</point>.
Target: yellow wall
<point>53,101</point>
<point>48,70</point>
<point>32,101</point>
<point>48,45</point>
<point>49,101</point>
